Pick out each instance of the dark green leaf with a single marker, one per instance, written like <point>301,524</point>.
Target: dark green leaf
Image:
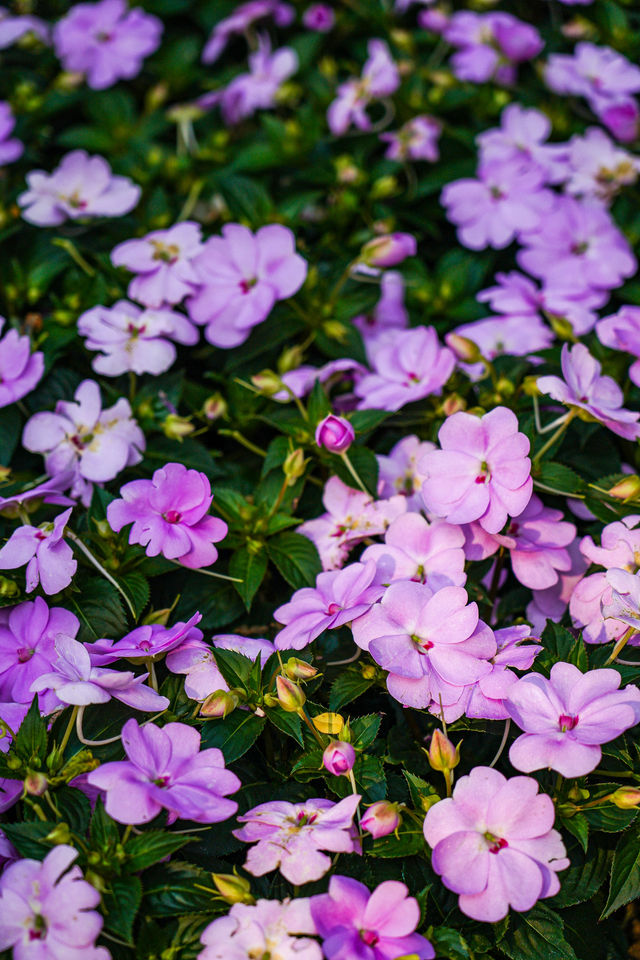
<point>99,610</point>
<point>625,873</point>
<point>318,406</point>
<point>364,730</point>
<point>536,935</point>
<point>365,464</point>
<point>103,831</point>
<point>28,838</point>
<point>148,848</point>
<point>234,667</point>
<point>583,878</point>
<point>363,421</point>
<point>10,427</point>
<point>288,723</point>
<point>234,735</point>
<point>249,567</point>
<point>296,558</point>
<point>410,840</point>
<point>137,588</point>
<point>558,477</point>
<point>347,687</point>
<point>31,739</point>
<point>120,903</point>
<point>173,889</point>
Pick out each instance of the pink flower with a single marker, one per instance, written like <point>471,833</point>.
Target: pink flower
<point>416,140</point>
<point>334,434</point>
<point>389,312</point>
<point>381,819</point>
<point>551,603</point>
<point>11,790</point>
<point>602,75</point>
<point>389,250</point>
<point>339,757</point>
<point>490,45</point>
<point>320,17</point>
<point>257,89</point>
<point>516,336</point>
<point>370,926</point>
<point>147,642</point>
<point>621,331</point>
<point>10,148</point>
<point>597,168</point>
<point>162,262</point>
<point>521,138</point>
<point>241,20</point>
<point>486,698</point>
<point>493,844</point>
<point>165,769</point>
<point>48,556</point>
<point>566,717</point>
<point>624,605</point>
<point>482,471</point>
<point>196,660</point>
<point>537,542</point>
<point>414,549</point>
<point>291,836</point>
<point>265,928</point>
<point>20,369</point>
<point>399,472</point>
<point>13,28</point>
<point>380,78</point>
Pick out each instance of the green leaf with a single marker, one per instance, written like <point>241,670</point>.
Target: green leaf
<point>277,452</point>
<point>249,567</point>
<point>318,406</point>
<point>234,667</point>
<point>364,730</point>
<point>103,831</point>
<point>296,558</point>
<point>536,935</point>
<point>74,807</point>
<point>608,817</point>
<point>10,427</point>
<point>347,687</point>
<point>450,943</point>
<point>364,462</point>
<point>560,644</point>
<point>148,848</point>
<point>577,825</point>
<point>100,611</point>
<point>28,838</point>
<point>558,477</point>
<point>583,878</point>
<point>234,735</point>
<point>370,780</point>
<point>31,739</point>
<point>364,421</point>
<point>410,840</point>
<point>418,788</point>
<point>625,873</point>
<point>246,198</point>
<point>137,587</point>
<point>288,723</point>
<point>171,889</point>
<point>120,905</point>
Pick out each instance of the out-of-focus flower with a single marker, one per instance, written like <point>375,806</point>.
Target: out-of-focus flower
<point>13,28</point>
<point>416,140</point>
<point>516,336</point>
<point>621,331</point>
<point>258,89</point>
<point>320,17</point>
<point>399,471</point>
<point>48,557</point>
<point>162,262</point>
<point>389,312</point>
<point>265,928</point>
<point>597,168</point>
<point>10,148</point>
<point>388,250</point>
<point>20,369</point>
<point>407,365</point>
<point>380,78</point>
<point>242,19</point>
<point>521,139</point>
<point>490,45</point>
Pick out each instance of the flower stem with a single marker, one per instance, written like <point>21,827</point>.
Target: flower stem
<point>352,470</point>
<point>236,435</point>
<point>620,645</point>
<point>67,733</point>
<point>81,737</point>
<point>317,736</point>
<point>565,421</point>
<point>75,254</point>
<point>105,573</point>
<point>209,573</point>
<point>503,742</point>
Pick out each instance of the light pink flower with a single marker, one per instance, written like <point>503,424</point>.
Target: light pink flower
<point>414,549</point>
<point>407,365</point>
<point>399,471</point>
<point>162,262</point>
<point>266,928</point>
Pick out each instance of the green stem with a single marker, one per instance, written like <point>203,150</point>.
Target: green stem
<point>209,573</point>
<point>554,436</point>
<point>620,645</point>
<point>75,254</point>
<point>105,573</point>
<point>352,470</point>
<point>317,736</point>
<point>67,733</point>
<point>243,440</point>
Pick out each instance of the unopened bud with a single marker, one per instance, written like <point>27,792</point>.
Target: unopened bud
<point>96,881</point>
<point>294,466</point>
<point>176,427</point>
<point>160,617</point>
<point>219,704</point>
<point>465,349</point>
<point>35,783</point>
<point>627,489</point>
<point>214,407</point>
<point>390,250</point>
<point>368,671</point>
<point>529,387</point>
<point>267,382</point>
<point>299,669</point>
<point>561,327</point>
<point>429,800</point>
<point>335,330</point>
<point>60,834</point>
<point>290,359</point>
<point>335,434</point>
<point>339,758</point>
<point>453,404</point>
<point>331,723</point>
<point>5,472</point>
<point>232,888</point>
<point>442,754</point>
<point>291,697</point>
<point>8,588</point>
<point>625,798</point>
<point>381,819</point>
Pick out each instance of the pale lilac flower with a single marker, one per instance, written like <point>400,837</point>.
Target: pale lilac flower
<point>521,138</point>
<point>493,844</point>
<point>427,641</point>
<point>301,380</point>
<point>577,245</point>
<point>13,714</point>
<point>490,45</point>
<point>48,557</point>
<point>48,492</point>
<point>13,28</point>
<point>624,603</point>
<point>170,515</point>
<point>320,17</point>
<point>196,660</point>
<point>486,699</point>
<point>10,148</point>
<point>584,388</point>
<point>504,201</point>
<point>257,90</point>
<point>80,436</point>
<point>46,910</point>
<point>162,262</point>
<point>267,928</point>
<point>621,331</point>
<point>551,603</point>
<point>151,641</point>
<point>338,597</point>
<point>516,336</point>
<point>400,473</point>
<point>106,41</point>
<point>334,434</point>
<point>241,20</point>
<point>353,922</point>
<point>416,140</point>
<point>622,118</point>
<point>75,681</point>
<point>380,78</point>
<point>243,275</point>
<point>165,769</point>
<point>130,338</point>
<point>291,836</point>
<point>482,471</point>
<point>597,168</point>
<point>414,549</point>
<point>388,313</point>
<point>20,369</point>
<point>81,186</point>
<point>407,365</point>
<point>567,717</point>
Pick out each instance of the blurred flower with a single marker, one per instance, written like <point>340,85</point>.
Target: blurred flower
<point>416,140</point>
<point>10,148</point>
<point>20,369</point>
<point>241,20</point>
<point>380,78</point>
<point>407,365</point>
<point>264,929</point>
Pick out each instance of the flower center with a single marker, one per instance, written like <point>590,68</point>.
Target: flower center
<point>167,253</point>
<point>565,722</point>
<point>580,248</point>
<point>495,844</point>
<point>37,927</point>
<point>246,285</point>
<point>370,937</point>
<point>333,608</point>
<point>303,819</point>
<point>484,476</point>
<point>172,516</point>
<point>24,654</point>
<point>162,781</point>
<point>422,644</point>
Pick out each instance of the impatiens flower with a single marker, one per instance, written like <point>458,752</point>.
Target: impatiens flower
<point>266,928</point>
<point>370,926</point>
<point>10,148</point>
<point>584,388</point>
<point>339,597</point>
<point>407,365</point>
<point>20,369</point>
<point>258,89</point>
<point>106,41</point>
<point>151,641</point>
<point>597,168</point>
<point>416,140</point>
<point>81,186</point>
<point>339,757</point>
<point>551,603</point>
<point>300,381</point>
<point>380,78</point>
<point>48,557</point>
<point>13,28</point>
<point>162,263</point>
<point>521,138</point>
<point>243,275</point>
<point>46,910</point>
<point>129,338</point>
<point>514,336</point>
<point>96,444</point>
<point>490,45</point>
<point>399,473</point>
<point>486,698</point>
<point>482,471</point>
<point>165,769</point>
<point>621,331</point>
<point>493,844</point>
<point>319,16</point>
<point>196,660</point>
<point>413,549</point>
<point>75,681</point>
<point>334,434</point>
<point>388,250</point>
<point>624,605</point>
<point>567,717</point>
<point>47,492</point>
<point>170,515</point>
<point>12,714</point>
<point>389,312</point>
<point>241,20</point>
<point>291,836</point>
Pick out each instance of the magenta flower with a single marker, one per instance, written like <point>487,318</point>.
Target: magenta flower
<point>20,369</point>
<point>334,434</point>
<point>47,492</point>
<point>339,597</point>
<point>486,698</point>
<point>567,717</point>
<point>622,118</point>
<point>291,836</point>
<point>320,17</point>
<point>416,140</point>
<point>241,20</point>
<point>482,471</point>
<point>129,338</point>
<point>10,148</point>
<point>106,41</point>
<point>399,472</point>
<point>586,389</point>
<point>413,549</point>
<point>490,45</point>
<point>370,926</point>
<point>621,331</point>
<point>301,380</point>
<point>46,910</point>
<point>48,557</point>
<point>339,757</point>
<point>407,365</point>
<point>493,844</point>
<point>147,642</point>
<point>162,262</point>
<point>243,275</point>
<point>381,819</point>
<point>258,89</point>
<point>81,186</point>
<point>265,928</point>
<point>170,515</point>
<point>165,769</point>
<point>380,78</point>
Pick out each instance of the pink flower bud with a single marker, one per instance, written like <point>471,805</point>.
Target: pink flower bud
<point>339,758</point>
<point>290,696</point>
<point>626,798</point>
<point>320,17</point>
<point>389,250</point>
<point>442,754</point>
<point>381,818</point>
<point>335,434</point>
<point>219,704</point>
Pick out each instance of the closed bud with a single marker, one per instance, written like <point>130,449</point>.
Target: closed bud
<point>294,466</point>
<point>103,529</point>
<point>381,819</point>
<point>530,387</point>
<point>290,359</point>
<point>453,404</point>
<point>299,669</point>
<point>335,330</point>
<point>331,723</point>
<point>215,407</point>
<point>232,888</point>
<point>35,783</point>
<point>388,251</point>
<point>156,96</point>
<point>267,382</point>
<point>339,758</point>
<point>334,434</point>
<point>291,697</point>
<point>562,328</point>
<point>627,489</point>
<point>625,798</point>
<point>60,834</point>
<point>96,881</point>
<point>465,349</point>
<point>176,427</point>
<point>368,671</point>
<point>5,472</point>
<point>384,187</point>
<point>160,617</point>
<point>9,588</point>
<point>442,754</point>
<point>429,800</point>
<point>505,388</point>
<point>219,704</point>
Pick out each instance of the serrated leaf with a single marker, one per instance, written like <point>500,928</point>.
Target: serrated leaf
<point>103,831</point>
<point>409,841</point>
<point>249,567</point>
<point>347,687</point>
<point>137,588</point>
<point>148,848</point>
<point>559,644</point>
<point>450,943</point>
<point>583,878</point>
<point>536,935</point>
<point>31,739</point>
<point>578,826</point>
<point>172,890</point>
<point>417,788</point>
<point>558,477</point>
<point>99,610</point>
<point>120,905</point>
<point>74,807</point>
<point>28,838</point>
<point>625,874</point>
<point>364,730</point>
<point>296,558</point>
<point>234,667</point>
<point>234,735</point>
<point>288,723</point>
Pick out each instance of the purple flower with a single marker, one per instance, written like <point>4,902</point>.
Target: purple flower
<point>196,659</point>
<point>370,926</point>
<point>291,836</point>
<point>301,380</point>
<point>622,118</point>
<point>170,515</point>
<point>482,471</point>
<point>551,603</point>
<point>339,757</point>
<point>537,541</point>
<point>416,140</point>
<point>586,389</point>
<point>10,148</point>
<point>256,90</point>
<point>380,78</point>
<point>388,250</point>
<point>493,844</point>
<point>162,261</point>
<point>265,928</point>
<point>320,17</point>
<point>399,472</point>
<point>334,434</point>
<point>490,45</point>
<point>515,336</point>
<point>407,365</point>
<point>47,492</point>
<point>413,549</point>
<point>106,41</point>
<point>96,444</point>
<point>566,717</point>
<point>76,681</point>
<point>621,331</point>
<point>241,20</point>
<point>486,698</point>
<point>597,168</point>
<point>165,769</point>
<point>81,186</point>
<point>602,75</point>
<point>624,605</point>
<point>521,138</point>
<point>13,28</point>
<point>389,312</point>
<point>339,597</point>
<point>20,369</point>
<point>13,714</point>
<point>48,557</point>
<point>46,910</point>
<point>148,642</point>
<point>129,338</point>
<point>243,275</point>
